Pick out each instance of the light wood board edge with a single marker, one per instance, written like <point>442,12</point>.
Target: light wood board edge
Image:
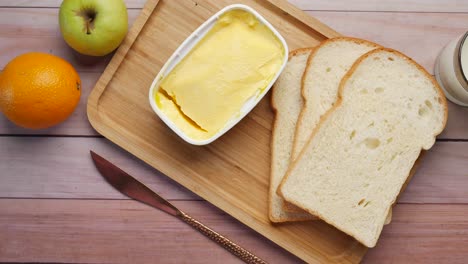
<point>114,64</point>
<point>306,19</point>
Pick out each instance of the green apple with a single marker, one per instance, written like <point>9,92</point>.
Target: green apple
<point>93,27</point>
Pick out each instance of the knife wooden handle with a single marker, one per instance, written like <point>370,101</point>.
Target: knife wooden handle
<point>232,247</point>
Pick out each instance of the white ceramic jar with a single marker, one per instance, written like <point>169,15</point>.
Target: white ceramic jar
<point>451,70</point>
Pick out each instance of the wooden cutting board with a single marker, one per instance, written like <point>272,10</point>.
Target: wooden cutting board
<point>233,172</point>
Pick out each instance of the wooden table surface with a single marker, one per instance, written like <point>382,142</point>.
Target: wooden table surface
<point>55,207</point>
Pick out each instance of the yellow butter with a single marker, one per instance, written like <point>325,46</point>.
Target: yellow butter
<point>234,61</point>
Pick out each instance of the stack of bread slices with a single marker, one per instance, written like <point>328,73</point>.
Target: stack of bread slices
<point>351,121</point>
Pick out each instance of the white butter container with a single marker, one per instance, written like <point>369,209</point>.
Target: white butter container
<point>185,48</point>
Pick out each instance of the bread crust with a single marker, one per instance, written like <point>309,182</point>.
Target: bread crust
<point>297,216</point>
<point>290,55</point>
<point>338,103</point>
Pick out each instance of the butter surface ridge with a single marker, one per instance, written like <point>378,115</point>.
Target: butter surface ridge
<point>235,60</point>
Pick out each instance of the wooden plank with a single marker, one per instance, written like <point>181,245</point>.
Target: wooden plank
<point>442,176</point>
<point>56,3</point>
<point>457,127</point>
<point>96,231</point>
<point>38,30</point>
<point>420,36</point>
<point>50,167</point>
<point>27,162</point>
<point>76,124</point>
<point>424,234</point>
<point>43,23</point>
<point>336,5</point>
<point>455,6</point>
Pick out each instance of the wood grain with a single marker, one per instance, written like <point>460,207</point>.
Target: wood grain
<point>442,176</point>
<point>56,3</point>
<point>100,231</point>
<point>27,161</point>
<point>424,233</point>
<point>336,5</point>
<point>61,168</point>
<point>437,6</point>
<point>457,127</point>
<point>97,231</point>
<point>419,35</point>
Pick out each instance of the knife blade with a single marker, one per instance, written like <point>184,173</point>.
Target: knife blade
<point>131,187</point>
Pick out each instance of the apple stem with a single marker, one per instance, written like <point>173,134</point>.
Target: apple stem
<point>88,25</point>
<point>88,16</point>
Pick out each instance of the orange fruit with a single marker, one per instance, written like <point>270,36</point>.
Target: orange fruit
<point>38,90</point>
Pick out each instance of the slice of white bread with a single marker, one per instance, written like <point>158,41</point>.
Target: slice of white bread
<point>286,101</point>
<point>326,66</point>
<point>358,158</point>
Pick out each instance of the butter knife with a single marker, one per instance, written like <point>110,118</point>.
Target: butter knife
<point>136,190</point>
